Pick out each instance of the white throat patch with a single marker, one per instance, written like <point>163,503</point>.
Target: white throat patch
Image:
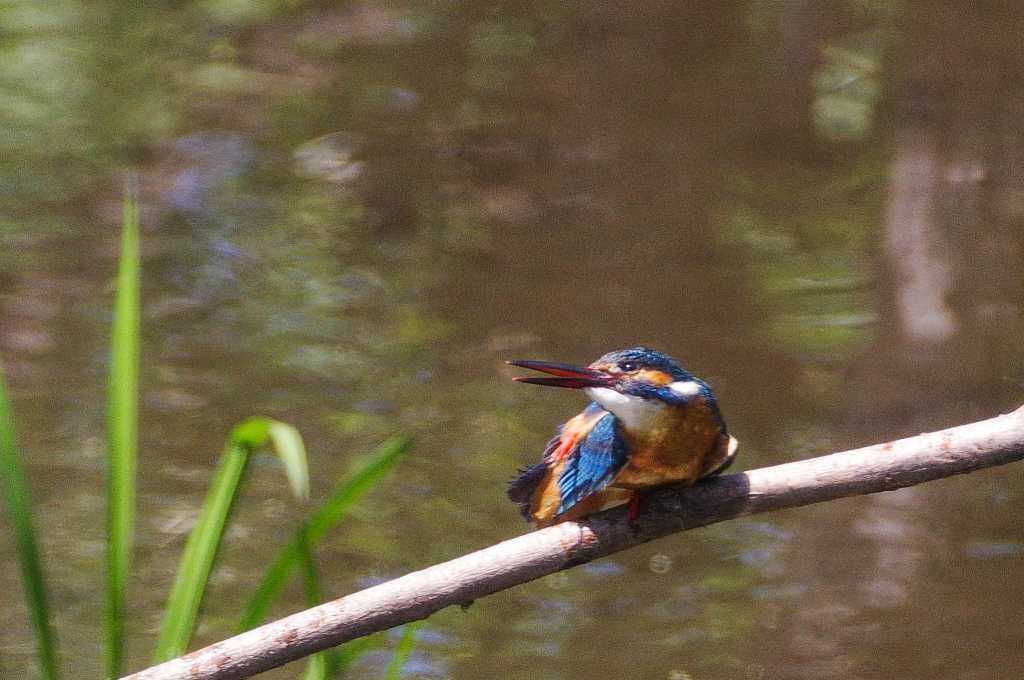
<point>634,412</point>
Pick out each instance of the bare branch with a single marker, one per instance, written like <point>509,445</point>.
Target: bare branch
<point>882,467</point>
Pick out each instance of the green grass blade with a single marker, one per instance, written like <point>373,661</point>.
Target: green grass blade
<point>203,543</point>
<point>336,507</point>
<point>260,431</point>
<point>406,646</point>
<point>316,669</point>
<point>352,651</point>
<point>292,452</point>
<point>198,557</point>
<point>20,508</point>
<point>122,395</point>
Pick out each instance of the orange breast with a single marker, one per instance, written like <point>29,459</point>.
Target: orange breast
<point>673,450</point>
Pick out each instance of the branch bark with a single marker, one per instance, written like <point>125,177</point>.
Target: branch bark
<point>882,467</point>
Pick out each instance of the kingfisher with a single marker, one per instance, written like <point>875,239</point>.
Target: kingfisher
<point>650,422</point>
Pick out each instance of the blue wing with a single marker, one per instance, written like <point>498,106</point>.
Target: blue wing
<point>594,464</point>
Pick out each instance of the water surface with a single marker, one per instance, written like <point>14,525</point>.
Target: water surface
<point>354,213</point>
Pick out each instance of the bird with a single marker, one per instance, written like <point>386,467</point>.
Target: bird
<point>650,423</point>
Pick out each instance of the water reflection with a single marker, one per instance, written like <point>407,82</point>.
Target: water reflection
<point>354,213</point>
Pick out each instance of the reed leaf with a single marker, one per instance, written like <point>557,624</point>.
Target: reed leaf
<point>316,669</point>
<point>325,518</point>
<point>350,652</point>
<point>20,508</point>
<point>203,543</point>
<point>122,417</point>
<point>406,646</point>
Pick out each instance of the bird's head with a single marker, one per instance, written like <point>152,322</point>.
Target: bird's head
<point>624,382</point>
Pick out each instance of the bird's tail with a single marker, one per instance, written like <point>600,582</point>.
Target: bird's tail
<point>722,457</point>
<point>522,488</point>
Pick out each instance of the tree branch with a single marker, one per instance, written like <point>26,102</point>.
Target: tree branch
<point>882,467</point>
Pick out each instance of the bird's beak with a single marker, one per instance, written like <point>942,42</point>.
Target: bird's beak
<point>567,375</point>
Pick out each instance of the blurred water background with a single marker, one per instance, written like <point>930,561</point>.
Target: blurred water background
<point>353,212</point>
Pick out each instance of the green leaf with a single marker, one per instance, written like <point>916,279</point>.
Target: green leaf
<point>405,648</point>
<point>203,543</point>
<point>336,507</point>
<point>20,507</point>
<point>252,432</point>
<point>197,559</point>
<point>317,667</point>
<point>352,651</point>
<point>292,452</point>
<point>258,431</point>
<point>122,395</point>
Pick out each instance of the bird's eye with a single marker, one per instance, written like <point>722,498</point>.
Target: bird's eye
<point>627,366</point>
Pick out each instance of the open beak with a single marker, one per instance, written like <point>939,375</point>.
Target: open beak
<point>566,375</point>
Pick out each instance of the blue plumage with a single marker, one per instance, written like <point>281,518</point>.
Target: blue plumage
<point>594,464</point>
<point>648,358</point>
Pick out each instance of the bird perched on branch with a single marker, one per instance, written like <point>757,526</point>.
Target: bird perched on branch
<point>651,423</point>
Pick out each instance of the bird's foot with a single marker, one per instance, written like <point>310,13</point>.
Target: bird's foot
<point>636,506</point>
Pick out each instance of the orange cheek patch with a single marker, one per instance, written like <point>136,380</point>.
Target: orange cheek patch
<point>654,377</point>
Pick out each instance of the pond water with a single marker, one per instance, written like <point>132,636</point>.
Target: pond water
<point>353,213</point>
